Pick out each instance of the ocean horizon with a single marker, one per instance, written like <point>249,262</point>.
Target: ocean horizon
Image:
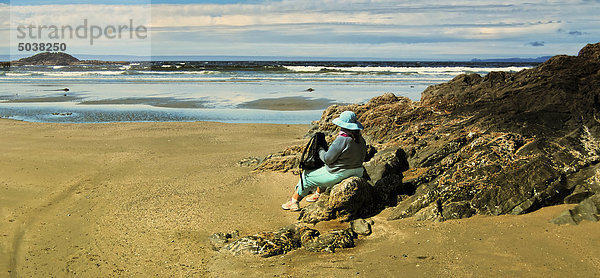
<point>221,58</point>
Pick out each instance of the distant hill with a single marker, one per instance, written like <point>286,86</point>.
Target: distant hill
<point>50,59</point>
<point>515,60</point>
<point>57,59</point>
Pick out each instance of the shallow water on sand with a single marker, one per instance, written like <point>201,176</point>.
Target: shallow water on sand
<point>260,92</point>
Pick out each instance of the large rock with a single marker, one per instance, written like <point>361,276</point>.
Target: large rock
<point>317,211</point>
<point>335,239</point>
<point>504,143</point>
<point>589,209</point>
<point>385,172</point>
<point>379,113</point>
<point>350,199</point>
<point>494,174</point>
<point>387,162</point>
<point>265,244</point>
<point>286,239</point>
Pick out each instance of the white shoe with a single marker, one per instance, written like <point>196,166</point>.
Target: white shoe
<point>313,198</point>
<point>291,206</point>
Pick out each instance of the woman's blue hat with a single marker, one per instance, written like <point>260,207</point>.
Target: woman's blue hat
<point>348,120</point>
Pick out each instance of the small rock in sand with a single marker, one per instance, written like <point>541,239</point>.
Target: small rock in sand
<point>361,227</point>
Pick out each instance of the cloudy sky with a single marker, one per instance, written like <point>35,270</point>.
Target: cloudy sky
<point>405,30</point>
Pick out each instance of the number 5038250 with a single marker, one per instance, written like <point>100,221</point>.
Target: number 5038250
<point>42,46</point>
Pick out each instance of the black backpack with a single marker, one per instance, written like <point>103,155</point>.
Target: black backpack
<point>310,156</point>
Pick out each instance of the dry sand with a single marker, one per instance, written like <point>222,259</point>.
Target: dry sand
<point>140,199</point>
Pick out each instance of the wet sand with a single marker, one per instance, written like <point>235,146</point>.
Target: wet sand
<point>153,101</point>
<point>165,102</point>
<point>288,103</point>
<point>140,199</point>
<point>279,104</point>
<point>61,98</point>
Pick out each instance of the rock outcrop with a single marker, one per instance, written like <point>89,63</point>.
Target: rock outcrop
<point>588,209</point>
<point>350,199</point>
<point>504,143</point>
<point>57,59</point>
<point>284,240</point>
<point>48,59</point>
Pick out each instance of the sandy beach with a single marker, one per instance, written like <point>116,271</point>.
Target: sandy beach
<point>140,199</point>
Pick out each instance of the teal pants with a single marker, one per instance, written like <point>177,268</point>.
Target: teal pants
<point>324,179</point>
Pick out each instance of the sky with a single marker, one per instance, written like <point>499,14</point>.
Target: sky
<point>378,29</point>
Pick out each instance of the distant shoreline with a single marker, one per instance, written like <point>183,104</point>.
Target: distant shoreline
<point>168,58</point>
<point>59,59</point>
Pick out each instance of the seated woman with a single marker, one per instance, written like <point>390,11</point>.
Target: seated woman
<point>343,159</point>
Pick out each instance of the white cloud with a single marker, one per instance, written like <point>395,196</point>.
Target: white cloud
<point>32,24</point>
<point>75,14</point>
<point>376,28</point>
<point>4,28</point>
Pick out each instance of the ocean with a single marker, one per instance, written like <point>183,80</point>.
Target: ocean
<point>233,92</point>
